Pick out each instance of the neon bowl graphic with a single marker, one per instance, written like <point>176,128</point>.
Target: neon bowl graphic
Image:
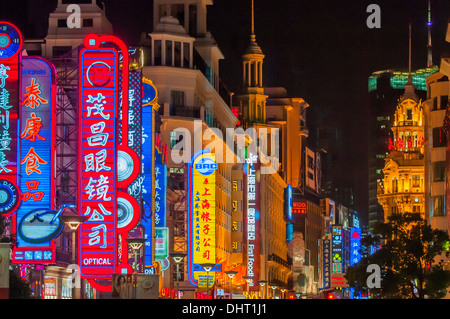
<point>40,225</point>
<point>206,166</point>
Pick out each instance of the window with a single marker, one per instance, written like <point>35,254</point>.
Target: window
<point>59,51</point>
<point>169,53</point>
<point>157,52</point>
<point>416,181</point>
<point>439,206</point>
<point>394,185</point>
<point>186,55</point>
<point>62,23</point>
<point>175,138</point>
<point>444,101</point>
<point>409,114</point>
<point>439,137</point>
<point>438,171</point>
<point>88,23</point>
<point>177,54</point>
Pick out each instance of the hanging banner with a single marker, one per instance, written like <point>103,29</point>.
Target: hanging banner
<point>37,222</point>
<point>98,161</point>
<point>201,216</point>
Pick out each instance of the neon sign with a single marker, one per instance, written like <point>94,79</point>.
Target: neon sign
<point>149,99</point>
<point>252,219</point>
<point>326,273</point>
<point>36,223</point>
<point>98,155</point>
<point>355,246</point>
<point>336,249</point>
<point>11,42</point>
<point>201,216</point>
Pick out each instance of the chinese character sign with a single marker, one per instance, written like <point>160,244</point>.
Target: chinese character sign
<point>252,219</point>
<point>36,160</point>
<point>98,161</point>
<point>355,246</point>
<point>160,195</point>
<point>326,271</point>
<point>336,249</point>
<point>202,214</point>
<point>10,57</point>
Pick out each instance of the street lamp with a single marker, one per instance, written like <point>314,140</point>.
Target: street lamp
<point>207,267</point>
<point>135,244</point>
<point>248,279</point>
<point>283,290</point>
<point>273,290</point>
<point>231,274</point>
<point>73,222</point>
<point>262,283</point>
<point>178,258</point>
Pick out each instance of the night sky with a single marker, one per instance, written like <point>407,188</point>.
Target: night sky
<point>320,50</point>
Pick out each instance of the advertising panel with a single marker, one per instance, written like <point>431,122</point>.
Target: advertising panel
<point>252,219</point>
<point>149,98</point>
<point>355,246</point>
<point>326,271</point>
<point>36,220</point>
<point>201,216</point>
<point>336,249</point>
<point>98,161</point>
<point>11,45</point>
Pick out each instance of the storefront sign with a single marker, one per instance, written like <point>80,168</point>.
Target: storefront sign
<point>98,161</point>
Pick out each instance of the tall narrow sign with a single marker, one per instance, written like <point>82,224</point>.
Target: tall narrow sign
<point>37,222</point>
<point>252,219</point>
<point>11,42</point>
<point>98,160</point>
<point>201,217</point>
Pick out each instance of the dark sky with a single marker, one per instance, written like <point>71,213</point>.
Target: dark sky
<point>320,50</point>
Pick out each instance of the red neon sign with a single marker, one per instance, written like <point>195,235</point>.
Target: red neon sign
<point>98,155</point>
<point>299,207</point>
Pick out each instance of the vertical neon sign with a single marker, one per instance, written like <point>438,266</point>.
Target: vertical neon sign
<point>11,42</point>
<point>149,99</point>
<point>98,151</point>
<point>252,219</point>
<point>355,245</point>
<point>37,160</point>
<point>201,216</point>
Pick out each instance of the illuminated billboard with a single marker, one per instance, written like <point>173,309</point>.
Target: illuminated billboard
<point>201,216</point>
<point>149,98</point>
<point>252,219</point>
<point>355,246</point>
<point>98,147</point>
<point>336,249</point>
<point>11,42</point>
<point>36,220</point>
<point>326,271</point>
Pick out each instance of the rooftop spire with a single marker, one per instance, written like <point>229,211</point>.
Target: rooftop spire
<point>253,17</point>
<point>409,64</point>
<point>429,46</point>
<point>409,86</point>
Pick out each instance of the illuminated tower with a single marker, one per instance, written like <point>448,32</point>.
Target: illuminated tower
<point>402,188</point>
<point>252,100</point>
<point>429,46</point>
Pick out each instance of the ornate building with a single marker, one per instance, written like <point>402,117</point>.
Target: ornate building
<point>402,188</point>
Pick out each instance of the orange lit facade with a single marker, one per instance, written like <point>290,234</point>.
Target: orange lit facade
<point>402,188</point>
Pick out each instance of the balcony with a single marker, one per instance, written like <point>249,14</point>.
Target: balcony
<point>183,111</point>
